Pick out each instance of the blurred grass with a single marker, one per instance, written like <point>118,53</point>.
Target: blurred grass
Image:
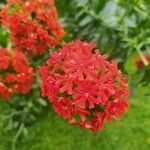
<point>51,132</point>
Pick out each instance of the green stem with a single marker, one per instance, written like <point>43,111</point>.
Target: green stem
<point>17,136</point>
<point>130,10</point>
<point>145,62</point>
<point>9,46</point>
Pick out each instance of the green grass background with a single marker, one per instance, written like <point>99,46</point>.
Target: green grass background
<point>51,132</point>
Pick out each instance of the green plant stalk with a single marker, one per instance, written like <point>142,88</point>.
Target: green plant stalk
<point>19,132</point>
<point>145,62</point>
<point>130,10</point>
<point>9,45</point>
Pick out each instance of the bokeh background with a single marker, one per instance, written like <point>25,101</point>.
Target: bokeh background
<point>120,28</point>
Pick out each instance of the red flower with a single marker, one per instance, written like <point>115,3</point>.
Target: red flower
<point>4,59</point>
<point>115,109</point>
<point>15,74</point>
<point>83,86</point>
<point>85,67</point>
<point>86,93</point>
<point>66,81</point>
<point>33,24</point>
<point>64,108</point>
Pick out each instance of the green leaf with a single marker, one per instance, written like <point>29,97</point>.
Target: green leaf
<point>130,66</point>
<point>42,102</point>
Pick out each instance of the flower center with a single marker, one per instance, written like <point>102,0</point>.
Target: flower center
<point>87,94</point>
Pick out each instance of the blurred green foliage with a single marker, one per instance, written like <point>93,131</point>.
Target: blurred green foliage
<point>117,27</point>
<point>4,37</point>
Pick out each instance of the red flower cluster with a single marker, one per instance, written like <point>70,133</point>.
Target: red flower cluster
<point>15,74</point>
<point>139,63</point>
<point>83,86</point>
<point>33,24</point>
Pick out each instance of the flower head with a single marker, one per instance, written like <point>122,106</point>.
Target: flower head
<point>34,24</point>
<point>16,76</point>
<point>83,86</point>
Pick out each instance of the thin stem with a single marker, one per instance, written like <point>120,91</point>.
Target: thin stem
<point>17,136</point>
<point>130,10</point>
<point>145,62</point>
